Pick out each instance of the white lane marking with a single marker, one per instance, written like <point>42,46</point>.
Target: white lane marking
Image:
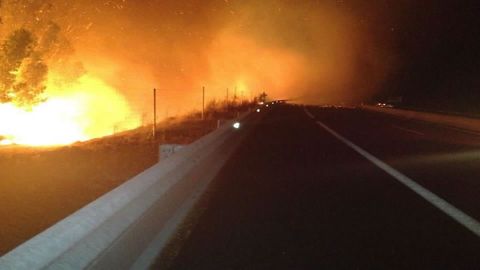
<point>408,130</point>
<point>308,113</point>
<point>458,215</point>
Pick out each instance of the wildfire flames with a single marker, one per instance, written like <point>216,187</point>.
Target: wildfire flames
<point>79,111</point>
<point>76,70</point>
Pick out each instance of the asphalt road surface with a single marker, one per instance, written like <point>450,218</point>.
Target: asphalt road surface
<point>296,195</point>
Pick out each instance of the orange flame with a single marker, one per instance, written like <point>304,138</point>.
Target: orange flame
<point>79,111</point>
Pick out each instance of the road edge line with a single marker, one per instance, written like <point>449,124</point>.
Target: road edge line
<point>450,210</point>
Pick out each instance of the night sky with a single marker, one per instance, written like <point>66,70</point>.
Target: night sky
<point>438,44</point>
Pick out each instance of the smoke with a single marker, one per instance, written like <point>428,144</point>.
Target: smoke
<point>337,57</point>
<point>311,51</point>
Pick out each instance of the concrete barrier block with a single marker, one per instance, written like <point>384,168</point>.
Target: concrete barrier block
<point>166,150</point>
<point>102,232</point>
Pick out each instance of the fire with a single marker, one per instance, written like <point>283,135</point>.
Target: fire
<point>85,109</point>
<point>242,89</point>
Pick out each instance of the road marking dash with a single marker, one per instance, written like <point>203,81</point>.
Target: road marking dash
<point>308,113</point>
<point>456,214</point>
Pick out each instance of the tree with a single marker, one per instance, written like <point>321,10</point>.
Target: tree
<point>263,97</point>
<point>22,71</point>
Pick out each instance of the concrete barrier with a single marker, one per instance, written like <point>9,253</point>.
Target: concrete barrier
<point>166,150</point>
<point>459,122</point>
<point>127,227</point>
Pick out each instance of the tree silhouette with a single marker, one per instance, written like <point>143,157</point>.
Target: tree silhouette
<point>22,71</point>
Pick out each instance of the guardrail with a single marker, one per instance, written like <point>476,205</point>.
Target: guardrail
<point>459,122</point>
<point>127,227</point>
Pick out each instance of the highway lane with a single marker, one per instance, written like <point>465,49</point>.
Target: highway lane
<point>295,197</point>
<point>444,160</point>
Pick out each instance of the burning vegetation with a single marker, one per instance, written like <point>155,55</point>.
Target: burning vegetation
<point>46,95</point>
<point>22,70</point>
<point>75,70</point>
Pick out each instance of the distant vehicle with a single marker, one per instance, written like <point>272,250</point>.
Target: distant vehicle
<point>384,105</point>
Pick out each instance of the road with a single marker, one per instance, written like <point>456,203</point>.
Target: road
<point>295,196</point>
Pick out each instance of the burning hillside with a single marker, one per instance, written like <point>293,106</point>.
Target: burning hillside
<point>84,109</point>
<point>46,95</point>
<point>74,70</point>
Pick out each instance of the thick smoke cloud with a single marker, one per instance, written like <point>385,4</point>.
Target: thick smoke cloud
<point>311,51</point>
<point>339,58</point>
<point>315,51</point>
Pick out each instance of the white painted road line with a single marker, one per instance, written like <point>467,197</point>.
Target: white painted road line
<point>467,221</point>
<point>308,113</point>
<point>408,130</point>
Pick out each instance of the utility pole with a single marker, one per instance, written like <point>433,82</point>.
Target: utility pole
<point>227,103</point>
<point>154,131</point>
<point>203,103</point>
